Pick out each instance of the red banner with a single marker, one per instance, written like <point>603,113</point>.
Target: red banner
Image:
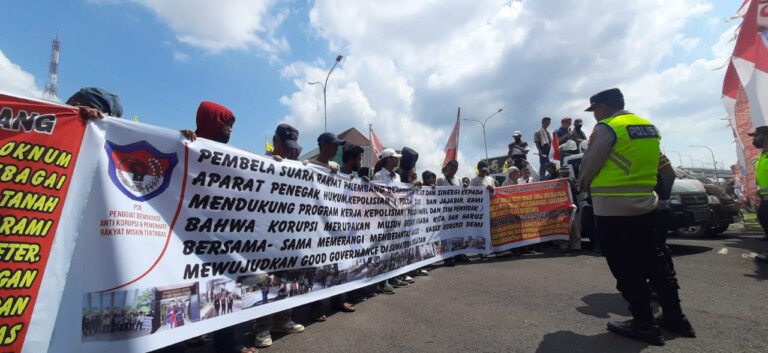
<point>39,144</point>
<point>744,126</point>
<point>530,213</point>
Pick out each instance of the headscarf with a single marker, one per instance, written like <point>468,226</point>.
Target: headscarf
<point>211,118</point>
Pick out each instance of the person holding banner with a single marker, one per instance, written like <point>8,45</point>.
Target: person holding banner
<point>449,179</point>
<point>482,178</point>
<point>285,146</point>
<point>619,170</point>
<point>385,173</point>
<point>94,102</point>
<point>328,144</point>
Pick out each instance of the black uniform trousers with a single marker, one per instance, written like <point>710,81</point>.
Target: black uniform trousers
<point>762,215</point>
<point>628,245</point>
<point>663,276</point>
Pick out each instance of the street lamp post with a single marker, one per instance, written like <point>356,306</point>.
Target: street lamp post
<point>689,158</point>
<point>679,157</point>
<point>483,125</point>
<point>702,164</point>
<point>717,179</point>
<point>325,85</point>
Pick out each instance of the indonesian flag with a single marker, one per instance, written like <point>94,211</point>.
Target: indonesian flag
<point>750,60</point>
<point>452,146</point>
<point>731,85</point>
<point>554,152</point>
<point>376,146</point>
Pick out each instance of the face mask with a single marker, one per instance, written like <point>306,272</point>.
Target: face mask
<point>757,143</point>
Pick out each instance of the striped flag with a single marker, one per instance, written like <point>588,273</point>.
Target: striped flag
<point>750,60</point>
<point>452,146</point>
<point>376,146</point>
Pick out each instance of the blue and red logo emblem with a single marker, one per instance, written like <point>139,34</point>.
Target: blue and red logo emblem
<point>139,170</point>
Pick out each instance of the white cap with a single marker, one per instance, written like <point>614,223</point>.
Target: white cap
<point>517,133</point>
<point>388,152</point>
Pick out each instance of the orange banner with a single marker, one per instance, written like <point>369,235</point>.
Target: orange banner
<point>39,144</point>
<point>530,213</point>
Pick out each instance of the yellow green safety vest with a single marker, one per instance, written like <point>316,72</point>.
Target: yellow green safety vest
<point>761,173</point>
<point>633,161</point>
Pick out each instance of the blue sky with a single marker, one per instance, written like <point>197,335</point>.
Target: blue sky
<point>407,64</point>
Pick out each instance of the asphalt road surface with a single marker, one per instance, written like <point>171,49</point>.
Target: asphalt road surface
<point>550,303</point>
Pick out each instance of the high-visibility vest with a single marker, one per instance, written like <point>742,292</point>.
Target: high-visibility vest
<point>633,161</point>
<point>761,173</point>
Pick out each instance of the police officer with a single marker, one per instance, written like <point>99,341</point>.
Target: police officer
<point>663,278</point>
<point>619,171</point>
<point>760,140</point>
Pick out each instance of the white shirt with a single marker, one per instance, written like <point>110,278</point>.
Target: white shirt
<point>386,177</point>
<point>543,136</point>
<point>482,181</point>
<point>443,181</point>
<point>532,179</point>
<point>331,165</point>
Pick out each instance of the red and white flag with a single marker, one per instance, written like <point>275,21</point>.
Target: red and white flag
<point>376,146</point>
<point>554,152</point>
<point>452,146</point>
<point>750,60</point>
<point>731,85</point>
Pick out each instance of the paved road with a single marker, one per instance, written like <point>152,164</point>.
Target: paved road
<point>552,303</point>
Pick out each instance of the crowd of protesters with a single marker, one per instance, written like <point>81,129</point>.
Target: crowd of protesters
<point>216,122</point>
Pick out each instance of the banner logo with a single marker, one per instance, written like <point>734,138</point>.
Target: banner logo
<point>139,170</point>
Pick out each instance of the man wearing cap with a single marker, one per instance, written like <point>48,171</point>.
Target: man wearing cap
<point>482,178</point>
<point>619,170</point>
<point>760,140</point>
<point>389,159</point>
<point>285,146</point>
<point>328,144</point>
<point>578,135</point>
<point>518,150</point>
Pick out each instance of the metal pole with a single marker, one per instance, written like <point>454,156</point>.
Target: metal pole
<point>712,153</point>
<point>325,86</point>
<point>679,157</point>
<point>485,142</point>
<point>690,159</point>
<point>482,123</point>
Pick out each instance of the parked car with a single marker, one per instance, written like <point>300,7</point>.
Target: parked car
<point>689,203</point>
<point>725,210</point>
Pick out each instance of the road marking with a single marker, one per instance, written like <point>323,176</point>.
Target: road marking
<point>723,251</point>
<point>750,255</point>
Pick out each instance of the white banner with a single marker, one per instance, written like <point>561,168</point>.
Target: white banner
<point>179,239</point>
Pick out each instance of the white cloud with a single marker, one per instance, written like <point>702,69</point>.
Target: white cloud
<point>180,56</point>
<point>216,26</point>
<point>13,79</point>
<point>409,65</point>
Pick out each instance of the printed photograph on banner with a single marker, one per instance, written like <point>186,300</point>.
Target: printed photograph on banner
<point>175,306</point>
<point>118,315</point>
<point>222,296</point>
<point>461,243</point>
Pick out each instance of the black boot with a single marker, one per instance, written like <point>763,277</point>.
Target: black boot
<point>679,325</point>
<point>649,333</point>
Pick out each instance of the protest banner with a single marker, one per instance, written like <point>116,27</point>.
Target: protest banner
<point>530,213</point>
<point>39,144</point>
<point>180,239</point>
